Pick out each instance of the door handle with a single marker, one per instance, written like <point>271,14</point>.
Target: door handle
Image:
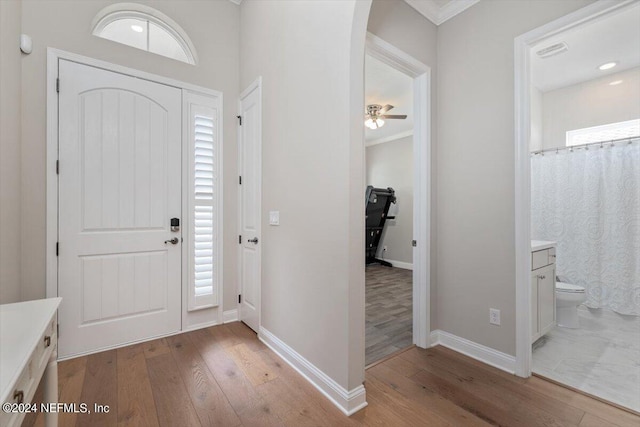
<point>254,240</point>
<point>173,241</point>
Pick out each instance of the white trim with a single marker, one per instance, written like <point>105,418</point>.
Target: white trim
<point>348,401</point>
<point>389,138</point>
<point>522,93</point>
<point>421,74</point>
<point>230,316</point>
<point>484,354</point>
<point>439,15</point>
<point>238,2</point>
<point>400,264</point>
<point>117,11</point>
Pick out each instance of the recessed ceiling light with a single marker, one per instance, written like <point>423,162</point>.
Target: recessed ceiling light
<point>137,28</point>
<point>607,66</point>
<point>615,82</point>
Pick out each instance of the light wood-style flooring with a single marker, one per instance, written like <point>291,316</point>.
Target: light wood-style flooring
<point>388,311</point>
<point>224,376</point>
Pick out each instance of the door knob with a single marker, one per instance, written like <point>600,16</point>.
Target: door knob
<point>254,240</point>
<point>173,241</point>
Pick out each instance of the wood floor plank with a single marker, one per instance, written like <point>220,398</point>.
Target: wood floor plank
<point>449,411</point>
<point>156,347</point>
<point>302,389</point>
<point>240,392</point>
<point>590,420</point>
<point>223,336</point>
<point>210,403</point>
<point>246,335</point>
<point>506,388</point>
<point>100,387</point>
<point>251,364</point>
<point>136,404</point>
<point>173,404</point>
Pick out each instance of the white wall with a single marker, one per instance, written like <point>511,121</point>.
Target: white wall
<point>313,262</point>
<point>475,197</point>
<point>399,24</point>
<point>10,80</point>
<point>391,165</point>
<point>213,26</point>
<point>590,103</point>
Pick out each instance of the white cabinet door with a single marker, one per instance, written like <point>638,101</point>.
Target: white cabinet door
<point>546,299</point>
<point>119,186</point>
<point>535,331</point>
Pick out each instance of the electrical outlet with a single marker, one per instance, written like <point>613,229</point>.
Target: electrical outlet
<point>494,316</point>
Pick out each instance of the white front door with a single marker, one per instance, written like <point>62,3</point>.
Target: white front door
<point>250,168</point>
<point>119,187</point>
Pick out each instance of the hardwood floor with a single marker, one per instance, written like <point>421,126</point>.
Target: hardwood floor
<point>388,311</point>
<point>224,376</point>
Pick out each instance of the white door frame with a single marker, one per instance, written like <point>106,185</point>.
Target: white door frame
<point>257,86</point>
<point>421,74</point>
<point>53,57</point>
<point>522,98</point>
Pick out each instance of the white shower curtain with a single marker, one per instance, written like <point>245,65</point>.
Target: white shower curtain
<point>589,202</point>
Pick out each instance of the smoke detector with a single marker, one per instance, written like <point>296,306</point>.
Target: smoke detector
<point>553,50</point>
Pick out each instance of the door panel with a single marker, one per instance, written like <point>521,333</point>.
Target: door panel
<point>119,185</point>
<point>250,193</point>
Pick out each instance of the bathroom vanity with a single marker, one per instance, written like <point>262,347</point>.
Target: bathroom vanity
<point>543,286</point>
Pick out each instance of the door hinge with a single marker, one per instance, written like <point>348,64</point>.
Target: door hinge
<point>239,120</point>
<point>58,84</point>
<point>414,243</point>
<point>240,299</point>
<point>240,180</point>
<point>57,167</point>
<point>240,239</point>
<point>57,248</point>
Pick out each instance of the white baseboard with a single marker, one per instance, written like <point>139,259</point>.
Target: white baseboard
<point>230,316</point>
<point>348,401</point>
<point>484,354</point>
<point>400,264</point>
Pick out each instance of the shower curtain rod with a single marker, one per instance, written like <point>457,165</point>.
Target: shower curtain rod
<point>576,147</point>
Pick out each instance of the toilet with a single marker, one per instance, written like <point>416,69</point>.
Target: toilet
<point>568,298</point>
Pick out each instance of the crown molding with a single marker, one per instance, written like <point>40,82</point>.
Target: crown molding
<point>389,138</point>
<point>236,2</point>
<point>438,15</point>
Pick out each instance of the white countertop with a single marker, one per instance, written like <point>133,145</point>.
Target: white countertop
<point>21,327</point>
<point>538,245</point>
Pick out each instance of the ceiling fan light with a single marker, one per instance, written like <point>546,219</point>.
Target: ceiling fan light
<point>369,123</point>
<point>380,122</point>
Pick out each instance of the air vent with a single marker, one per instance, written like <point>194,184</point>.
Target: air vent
<point>552,50</point>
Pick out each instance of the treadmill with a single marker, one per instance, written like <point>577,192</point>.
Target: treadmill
<point>378,201</point>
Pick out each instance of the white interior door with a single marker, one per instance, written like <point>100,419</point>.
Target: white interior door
<point>119,186</point>
<point>250,167</point>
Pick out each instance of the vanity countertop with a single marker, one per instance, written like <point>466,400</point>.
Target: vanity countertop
<point>538,245</point>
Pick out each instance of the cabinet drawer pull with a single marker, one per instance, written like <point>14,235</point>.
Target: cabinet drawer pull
<point>47,341</point>
<point>18,396</point>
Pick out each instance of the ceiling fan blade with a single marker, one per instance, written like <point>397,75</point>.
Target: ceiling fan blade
<point>394,116</point>
<point>385,109</point>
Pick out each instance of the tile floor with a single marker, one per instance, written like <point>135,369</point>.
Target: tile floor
<point>601,358</point>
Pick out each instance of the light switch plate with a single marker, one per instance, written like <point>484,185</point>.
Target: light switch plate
<point>274,217</point>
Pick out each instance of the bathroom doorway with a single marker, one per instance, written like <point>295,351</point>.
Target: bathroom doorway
<point>579,183</point>
<point>397,168</point>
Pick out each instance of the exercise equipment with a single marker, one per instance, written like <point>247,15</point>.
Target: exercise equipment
<point>378,201</point>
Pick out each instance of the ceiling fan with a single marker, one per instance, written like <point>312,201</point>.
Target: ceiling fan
<point>376,115</point>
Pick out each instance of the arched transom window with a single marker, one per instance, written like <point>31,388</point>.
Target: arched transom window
<point>144,28</point>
